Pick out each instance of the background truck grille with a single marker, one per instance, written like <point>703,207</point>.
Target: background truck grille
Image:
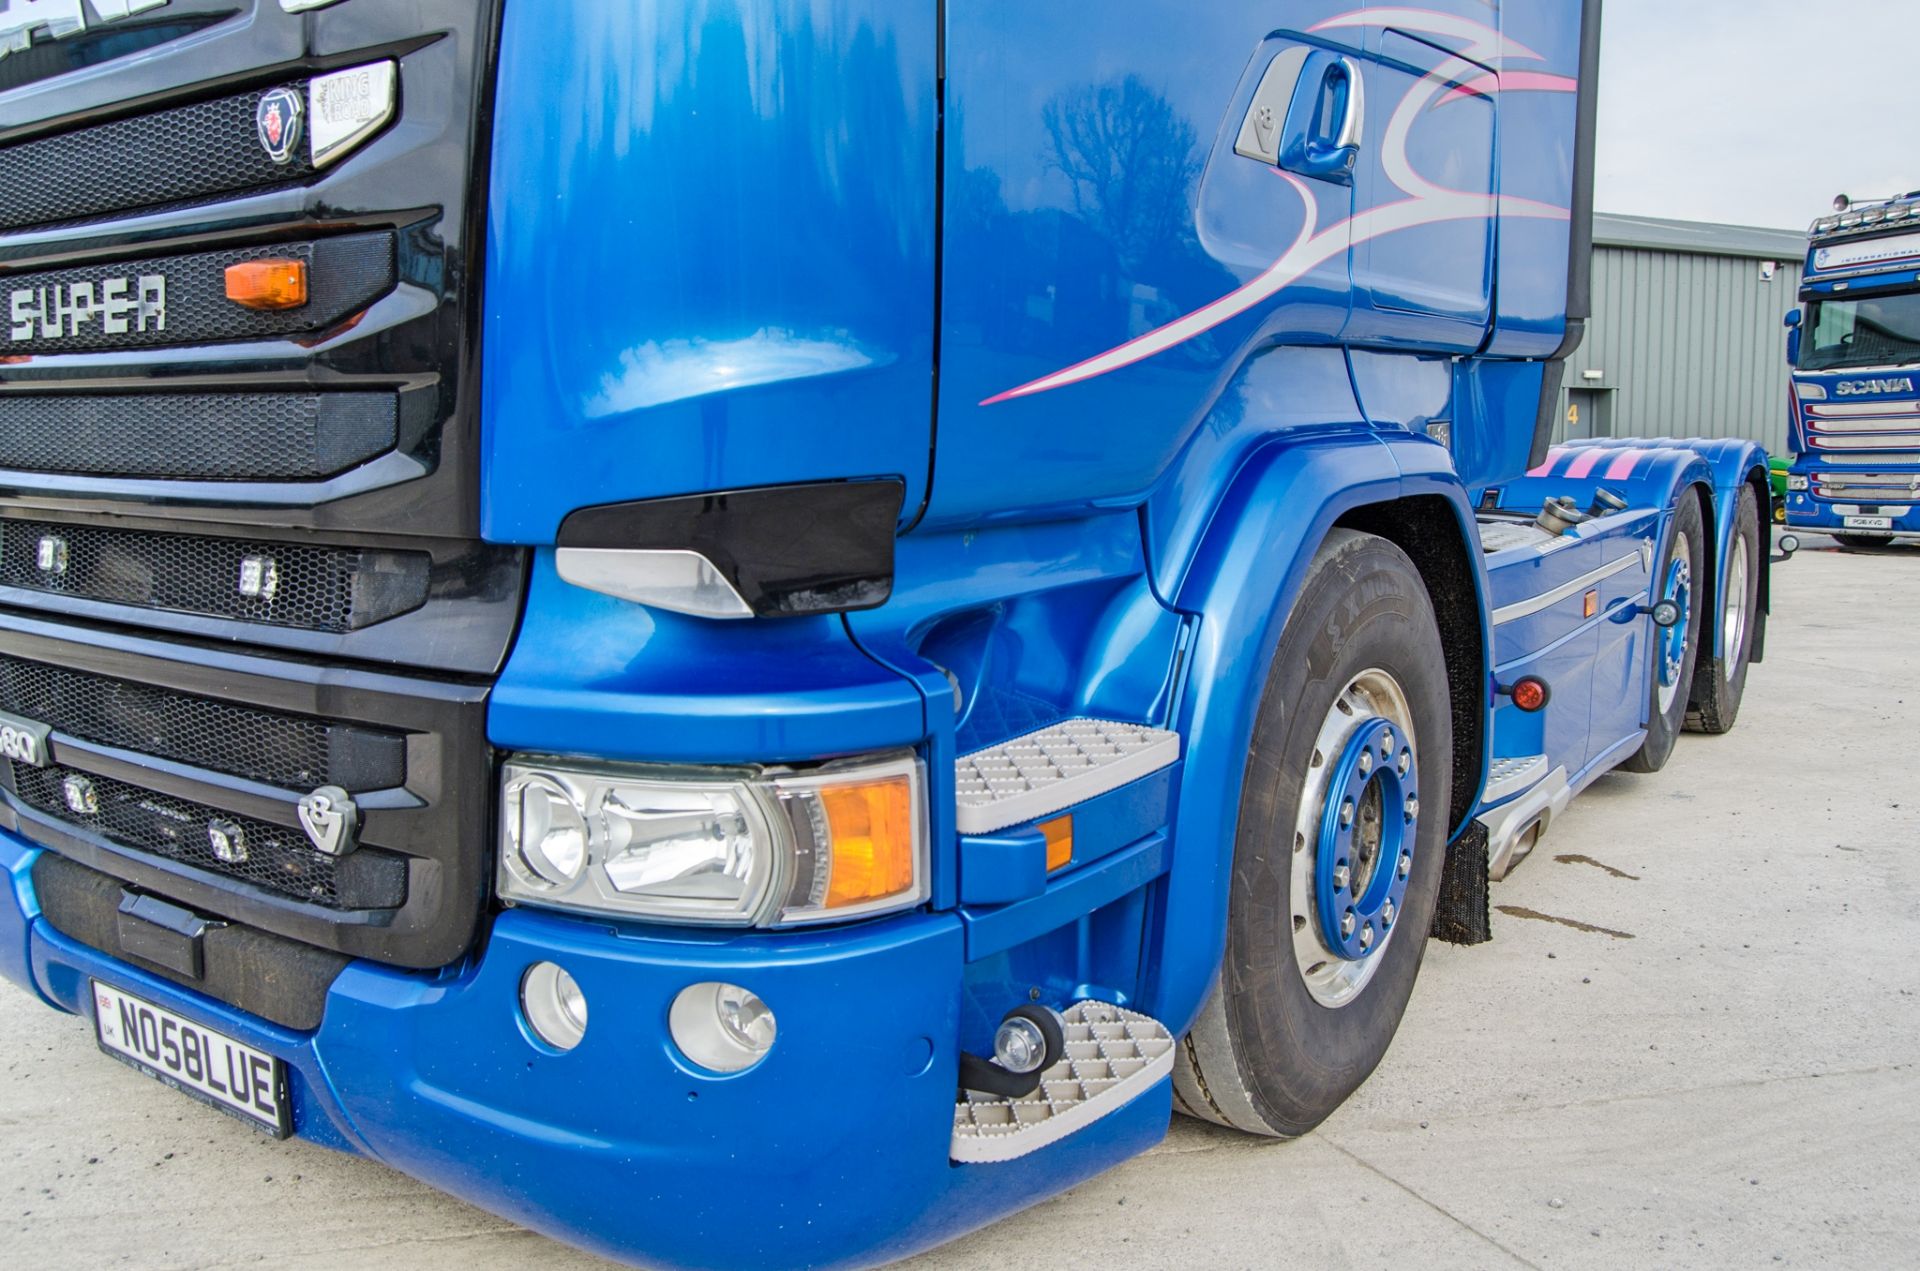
<point>63,310</point>
<point>312,587</point>
<point>1867,487</point>
<point>279,858</point>
<point>289,751</point>
<point>170,156</point>
<point>197,436</point>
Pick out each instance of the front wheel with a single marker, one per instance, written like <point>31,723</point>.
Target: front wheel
<point>1337,859</point>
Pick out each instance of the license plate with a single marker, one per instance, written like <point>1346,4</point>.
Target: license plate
<point>1869,522</point>
<point>194,1059</point>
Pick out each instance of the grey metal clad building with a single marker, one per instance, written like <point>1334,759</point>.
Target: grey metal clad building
<point>1686,337</point>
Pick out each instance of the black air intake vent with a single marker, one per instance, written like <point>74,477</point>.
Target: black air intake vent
<point>289,751</point>
<point>171,156</point>
<point>278,858</point>
<point>197,436</point>
<point>175,300</point>
<point>284,584</point>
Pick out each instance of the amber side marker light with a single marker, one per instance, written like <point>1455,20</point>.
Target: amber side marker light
<point>268,284</point>
<point>1059,835</point>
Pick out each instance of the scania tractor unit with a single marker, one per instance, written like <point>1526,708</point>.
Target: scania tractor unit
<point>1854,426</point>
<point>753,633</point>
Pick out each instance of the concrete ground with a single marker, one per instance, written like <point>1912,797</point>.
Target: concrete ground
<point>1693,1042</point>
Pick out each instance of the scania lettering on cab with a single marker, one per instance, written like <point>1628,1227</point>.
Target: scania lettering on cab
<point>756,632</point>
<point>1854,422</point>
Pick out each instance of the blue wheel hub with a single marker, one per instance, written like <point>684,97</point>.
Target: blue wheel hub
<point>1673,640</point>
<point>1367,833</point>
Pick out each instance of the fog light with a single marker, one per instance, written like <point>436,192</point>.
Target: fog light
<point>545,829</point>
<point>554,1006</point>
<point>721,1027</point>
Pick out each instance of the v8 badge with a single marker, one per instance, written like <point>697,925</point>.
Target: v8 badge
<point>277,120</point>
<point>331,820</point>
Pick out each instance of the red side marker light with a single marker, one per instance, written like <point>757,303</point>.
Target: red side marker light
<point>1530,694</point>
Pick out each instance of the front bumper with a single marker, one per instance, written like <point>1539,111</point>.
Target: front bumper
<point>833,1151</point>
<point>1804,512</point>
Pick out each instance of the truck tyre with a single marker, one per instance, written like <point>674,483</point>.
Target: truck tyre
<point>1861,542</point>
<point>1354,727</point>
<point>1719,682</point>
<point>1676,650</point>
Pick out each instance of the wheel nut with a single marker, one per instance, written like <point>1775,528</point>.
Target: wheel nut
<point>1346,813</point>
<point>1406,865</point>
<point>1366,936</point>
<point>1386,914</point>
<point>1406,761</point>
<point>1346,925</point>
<point>1413,807</point>
<point>1340,877</point>
<point>1386,743</point>
<point>1366,762</point>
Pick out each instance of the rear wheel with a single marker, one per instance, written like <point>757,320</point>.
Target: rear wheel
<point>1719,682</point>
<point>1675,648</point>
<point>1336,863</point>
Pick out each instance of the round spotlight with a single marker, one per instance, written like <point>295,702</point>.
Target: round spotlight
<point>554,1006</point>
<point>721,1027</point>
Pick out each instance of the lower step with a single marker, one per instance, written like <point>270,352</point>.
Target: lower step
<point>1113,1055</point>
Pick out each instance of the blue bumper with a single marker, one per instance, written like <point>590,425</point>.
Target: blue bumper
<point>1804,512</point>
<point>833,1151</point>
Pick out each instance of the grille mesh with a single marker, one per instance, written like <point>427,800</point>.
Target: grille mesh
<point>290,751</point>
<point>66,310</point>
<point>313,587</point>
<point>279,859</point>
<point>197,436</point>
<point>170,156</point>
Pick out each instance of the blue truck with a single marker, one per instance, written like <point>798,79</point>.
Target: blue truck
<point>757,632</point>
<point>1854,416</point>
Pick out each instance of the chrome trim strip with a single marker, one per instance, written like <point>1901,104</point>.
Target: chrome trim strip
<point>1547,600</point>
<point>680,581</point>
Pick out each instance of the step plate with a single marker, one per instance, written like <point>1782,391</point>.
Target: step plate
<point>1509,777</point>
<point>1112,1056</point>
<point>1047,771</point>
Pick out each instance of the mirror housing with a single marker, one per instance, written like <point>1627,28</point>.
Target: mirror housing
<point>1793,320</point>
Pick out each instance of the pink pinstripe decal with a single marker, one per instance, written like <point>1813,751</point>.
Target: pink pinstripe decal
<point>1426,204</point>
<point>1584,462</point>
<point>1622,467</point>
<point>1554,455</point>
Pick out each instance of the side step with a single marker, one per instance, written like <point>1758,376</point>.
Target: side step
<point>1113,1055</point>
<point>1513,828</point>
<point>1050,770</point>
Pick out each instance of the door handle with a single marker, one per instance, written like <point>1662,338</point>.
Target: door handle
<point>1327,119</point>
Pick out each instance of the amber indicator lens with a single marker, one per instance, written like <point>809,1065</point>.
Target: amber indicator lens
<point>268,284</point>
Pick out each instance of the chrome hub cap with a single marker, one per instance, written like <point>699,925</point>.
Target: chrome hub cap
<point>1354,838</point>
<point>1734,614</point>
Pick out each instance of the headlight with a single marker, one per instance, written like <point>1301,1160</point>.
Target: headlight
<point>739,847</point>
<point>1797,483</point>
<point>1810,392</point>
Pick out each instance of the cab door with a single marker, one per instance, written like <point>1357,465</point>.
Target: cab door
<point>1424,193</point>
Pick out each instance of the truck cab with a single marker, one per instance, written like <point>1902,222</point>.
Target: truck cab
<point>1854,424</point>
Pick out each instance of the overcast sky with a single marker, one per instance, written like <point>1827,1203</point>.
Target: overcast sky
<point>1756,112</point>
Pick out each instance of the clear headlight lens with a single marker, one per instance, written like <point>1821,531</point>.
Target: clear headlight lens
<point>1810,392</point>
<point>1798,483</point>
<point>724,846</point>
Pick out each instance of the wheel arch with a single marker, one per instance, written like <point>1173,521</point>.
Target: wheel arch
<point>1247,574</point>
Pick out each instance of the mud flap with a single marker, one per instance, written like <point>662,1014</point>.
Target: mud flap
<point>1460,916</point>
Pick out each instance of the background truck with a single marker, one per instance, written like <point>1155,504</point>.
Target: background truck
<point>1854,417</point>
<point>754,632</point>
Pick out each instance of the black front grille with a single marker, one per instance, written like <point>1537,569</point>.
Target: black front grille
<point>197,436</point>
<point>284,750</point>
<point>174,300</point>
<point>313,587</point>
<point>279,859</point>
<point>171,156</point>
